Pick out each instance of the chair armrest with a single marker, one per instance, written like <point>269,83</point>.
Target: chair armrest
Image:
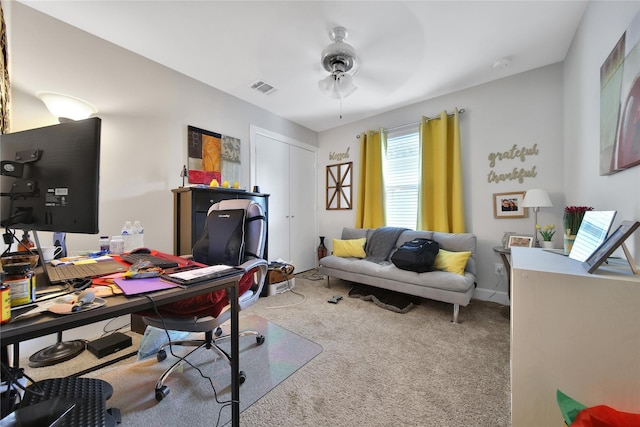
<point>253,263</point>
<point>259,279</point>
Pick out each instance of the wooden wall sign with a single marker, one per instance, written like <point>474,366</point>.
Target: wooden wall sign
<point>339,188</point>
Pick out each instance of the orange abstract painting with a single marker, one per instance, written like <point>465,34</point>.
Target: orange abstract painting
<point>212,156</point>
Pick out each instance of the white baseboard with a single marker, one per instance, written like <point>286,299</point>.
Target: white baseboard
<point>499,297</point>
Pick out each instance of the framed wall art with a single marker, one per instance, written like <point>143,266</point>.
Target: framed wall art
<point>339,188</point>
<point>212,156</point>
<point>509,205</point>
<point>620,103</point>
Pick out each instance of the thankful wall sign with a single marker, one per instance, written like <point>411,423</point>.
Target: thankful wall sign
<point>499,161</point>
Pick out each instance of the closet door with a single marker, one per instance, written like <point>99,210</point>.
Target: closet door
<point>287,172</point>
<point>302,226</point>
<point>272,175</point>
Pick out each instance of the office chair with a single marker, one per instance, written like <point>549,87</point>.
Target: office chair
<point>219,245</point>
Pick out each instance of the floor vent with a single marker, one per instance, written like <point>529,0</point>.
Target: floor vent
<point>263,87</point>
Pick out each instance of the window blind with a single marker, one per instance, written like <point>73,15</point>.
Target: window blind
<point>401,171</point>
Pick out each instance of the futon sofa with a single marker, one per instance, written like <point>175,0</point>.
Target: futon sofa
<point>452,282</point>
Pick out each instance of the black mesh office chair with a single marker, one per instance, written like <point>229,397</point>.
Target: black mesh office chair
<point>220,244</point>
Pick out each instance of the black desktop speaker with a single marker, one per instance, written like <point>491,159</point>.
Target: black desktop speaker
<point>110,344</point>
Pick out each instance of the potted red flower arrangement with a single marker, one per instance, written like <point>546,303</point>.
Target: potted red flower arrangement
<point>572,219</point>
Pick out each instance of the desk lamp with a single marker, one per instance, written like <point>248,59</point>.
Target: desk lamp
<point>536,198</point>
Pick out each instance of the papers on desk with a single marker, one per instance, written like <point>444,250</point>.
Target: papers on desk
<point>142,286</point>
<point>198,275</point>
<point>79,260</point>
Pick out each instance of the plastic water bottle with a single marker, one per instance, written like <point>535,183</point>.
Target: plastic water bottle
<point>116,245</point>
<point>138,235</point>
<point>127,236</point>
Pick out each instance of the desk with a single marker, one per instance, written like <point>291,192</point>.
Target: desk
<point>505,253</point>
<point>46,324</point>
<point>573,331</point>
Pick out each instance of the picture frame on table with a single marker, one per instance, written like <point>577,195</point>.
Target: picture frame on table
<point>613,242</point>
<point>509,205</point>
<point>520,241</point>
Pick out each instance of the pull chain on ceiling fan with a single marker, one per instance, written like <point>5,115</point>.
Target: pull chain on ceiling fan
<point>339,58</point>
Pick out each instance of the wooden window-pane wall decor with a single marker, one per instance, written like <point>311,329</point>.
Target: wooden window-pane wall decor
<point>339,188</point>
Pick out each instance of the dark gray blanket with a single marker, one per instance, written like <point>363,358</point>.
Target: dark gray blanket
<point>381,243</point>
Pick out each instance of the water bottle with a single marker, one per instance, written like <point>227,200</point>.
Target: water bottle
<point>116,245</point>
<point>138,233</point>
<point>127,236</point>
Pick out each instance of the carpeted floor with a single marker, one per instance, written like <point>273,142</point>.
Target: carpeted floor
<point>377,367</point>
<point>265,366</point>
<point>381,368</point>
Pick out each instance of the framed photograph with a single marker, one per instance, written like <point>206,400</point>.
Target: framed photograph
<point>509,205</point>
<point>520,241</point>
<point>615,240</point>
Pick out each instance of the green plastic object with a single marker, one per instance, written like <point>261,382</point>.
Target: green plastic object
<point>569,407</point>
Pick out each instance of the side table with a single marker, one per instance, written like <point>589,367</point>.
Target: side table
<point>505,254</point>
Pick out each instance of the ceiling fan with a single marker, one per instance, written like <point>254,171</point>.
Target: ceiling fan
<point>339,58</point>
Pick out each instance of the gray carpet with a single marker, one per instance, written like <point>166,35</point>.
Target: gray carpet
<point>377,367</point>
<point>265,365</point>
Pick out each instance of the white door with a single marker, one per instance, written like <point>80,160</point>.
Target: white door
<point>303,242</point>
<point>272,175</point>
<point>287,173</point>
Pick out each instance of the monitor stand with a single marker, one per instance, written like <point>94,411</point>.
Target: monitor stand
<point>61,351</point>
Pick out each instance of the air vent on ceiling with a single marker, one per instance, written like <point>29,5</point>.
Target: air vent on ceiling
<point>263,87</point>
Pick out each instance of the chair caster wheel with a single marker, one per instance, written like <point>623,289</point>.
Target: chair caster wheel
<point>242,377</point>
<point>162,354</point>
<point>162,392</point>
<point>260,339</point>
<point>218,331</point>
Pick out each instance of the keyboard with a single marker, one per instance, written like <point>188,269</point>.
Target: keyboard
<point>69,272</point>
<point>154,260</point>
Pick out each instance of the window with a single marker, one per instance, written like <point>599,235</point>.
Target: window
<point>401,171</point>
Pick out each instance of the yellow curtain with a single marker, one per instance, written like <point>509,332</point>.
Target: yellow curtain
<point>370,207</point>
<point>440,197</point>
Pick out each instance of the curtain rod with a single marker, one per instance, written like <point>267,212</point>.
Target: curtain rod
<point>461,111</point>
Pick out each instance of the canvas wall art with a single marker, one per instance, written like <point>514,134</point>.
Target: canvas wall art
<point>212,156</point>
<point>620,103</point>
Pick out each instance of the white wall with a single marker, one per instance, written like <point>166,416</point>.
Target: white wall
<point>145,110</point>
<point>602,26</point>
<point>525,110</point>
<point>556,107</point>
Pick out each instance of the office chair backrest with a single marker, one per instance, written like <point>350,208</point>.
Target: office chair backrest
<point>235,232</point>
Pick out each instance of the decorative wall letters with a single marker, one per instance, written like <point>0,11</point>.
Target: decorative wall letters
<point>515,174</point>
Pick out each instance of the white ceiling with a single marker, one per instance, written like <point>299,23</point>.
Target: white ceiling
<point>409,51</point>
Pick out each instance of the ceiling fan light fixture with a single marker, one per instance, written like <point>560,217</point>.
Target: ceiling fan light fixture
<point>339,58</point>
<point>337,85</point>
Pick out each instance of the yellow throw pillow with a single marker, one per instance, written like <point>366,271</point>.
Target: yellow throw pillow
<point>349,248</point>
<point>453,262</point>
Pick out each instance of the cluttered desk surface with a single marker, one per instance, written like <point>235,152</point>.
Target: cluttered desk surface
<point>113,295</point>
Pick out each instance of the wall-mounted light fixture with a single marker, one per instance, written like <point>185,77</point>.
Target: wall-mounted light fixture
<point>66,107</point>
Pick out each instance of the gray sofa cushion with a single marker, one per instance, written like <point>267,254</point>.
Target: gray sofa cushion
<point>453,242</point>
<point>376,273</point>
<point>356,233</point>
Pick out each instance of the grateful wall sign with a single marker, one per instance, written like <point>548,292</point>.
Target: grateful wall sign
<point>506,158</point>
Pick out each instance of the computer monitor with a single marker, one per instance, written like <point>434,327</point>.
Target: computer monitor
<point>50,178</point>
